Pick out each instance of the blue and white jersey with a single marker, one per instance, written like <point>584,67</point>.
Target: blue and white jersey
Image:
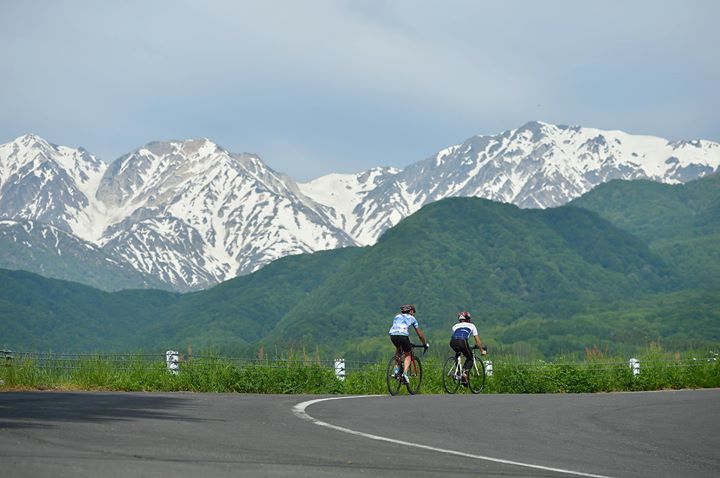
<point>463,330</point>
<point>401,324</point>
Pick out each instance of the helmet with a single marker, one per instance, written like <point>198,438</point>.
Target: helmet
<point>464,315</point>
<point>407,308</point>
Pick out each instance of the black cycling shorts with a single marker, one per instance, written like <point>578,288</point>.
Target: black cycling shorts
<point>402,342</point>
<point>462,347</point>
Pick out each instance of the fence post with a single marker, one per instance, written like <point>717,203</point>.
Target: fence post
<point>634,366</point>
<point>7,356</point>
<point>172,358</point>
<point>340,369</point>
<point>488,368</point>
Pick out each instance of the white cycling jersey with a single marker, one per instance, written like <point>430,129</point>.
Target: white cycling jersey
<point>463,330</point>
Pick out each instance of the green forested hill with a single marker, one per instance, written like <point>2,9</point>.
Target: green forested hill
<point>50,314</point>
<point>680,223</point>
<point>503,263</point>
<point>44,314</point>
<point>658,212</point>
<point>243,310</point>
<point>537,281</point>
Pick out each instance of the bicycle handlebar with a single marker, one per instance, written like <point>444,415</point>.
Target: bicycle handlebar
<point>417,346</point>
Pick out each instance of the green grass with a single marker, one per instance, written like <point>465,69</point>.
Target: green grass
<point>215,375</point>
<point>596,374</point>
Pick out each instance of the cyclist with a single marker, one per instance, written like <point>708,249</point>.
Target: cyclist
<point>400,336</point>
<point>461,333</point>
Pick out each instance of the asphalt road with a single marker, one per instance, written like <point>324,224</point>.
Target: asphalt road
<point>656,434</point>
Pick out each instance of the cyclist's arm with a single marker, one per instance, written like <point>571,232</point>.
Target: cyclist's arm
<point>478,344</point>
<point>421,335</point>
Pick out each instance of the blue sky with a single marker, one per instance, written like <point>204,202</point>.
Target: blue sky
<point>325,86</point>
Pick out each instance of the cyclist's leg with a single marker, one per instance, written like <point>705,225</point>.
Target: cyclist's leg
<point>457,346</point>
<point>468,356</point>
<point>403,346</point>
<point>392,339</point>
<point>461,347</point>
<point>406,348</point>
<point>465,350</point>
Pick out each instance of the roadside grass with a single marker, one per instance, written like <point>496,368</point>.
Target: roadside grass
<point>216,374</point>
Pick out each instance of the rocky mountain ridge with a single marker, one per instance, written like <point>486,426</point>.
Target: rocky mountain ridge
<point>538,165</point>
<point>190,214</point>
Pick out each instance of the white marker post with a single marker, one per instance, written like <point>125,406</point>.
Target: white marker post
<point>634,366</point>
<point>340,369</point>
<point>172,359</point>
<point>488,368</point>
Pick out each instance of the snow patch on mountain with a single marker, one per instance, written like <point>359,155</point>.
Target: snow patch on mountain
<point>344,194</point>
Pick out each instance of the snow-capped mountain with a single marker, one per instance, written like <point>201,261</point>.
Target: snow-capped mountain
<point>197,214</point>
<point>347,197</point>
<point>187,212</point>
<point>51,252</point>
<point>48,183</point>
<point>190,214</point>
<point>538,165</point>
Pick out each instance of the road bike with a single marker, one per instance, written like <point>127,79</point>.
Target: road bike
<point>394,373</point>
<point>454,375</point>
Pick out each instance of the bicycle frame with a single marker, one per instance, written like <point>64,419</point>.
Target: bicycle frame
<point>452,375</point>
<point>395,380</point>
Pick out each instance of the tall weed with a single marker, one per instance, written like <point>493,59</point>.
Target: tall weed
<point>215,374</point>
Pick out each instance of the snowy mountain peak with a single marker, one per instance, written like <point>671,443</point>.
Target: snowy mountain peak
<point>537,165</point>
<point>190,148</point>
<point>190,213</point>
<point>48,183</point>
<point>227,214</point>
<point>32,140</point>
<point>535,130</point>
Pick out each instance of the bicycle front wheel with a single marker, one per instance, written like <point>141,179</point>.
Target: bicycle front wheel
<point>450,382</point>
<point>392,378</point>
<point>476,375</point>
<point>414,375</point>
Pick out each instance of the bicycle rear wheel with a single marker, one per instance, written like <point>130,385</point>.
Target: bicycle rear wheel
<point>415,375</point>
<point>392,379</point>
<point>450,383</point>
<point>476,375</point>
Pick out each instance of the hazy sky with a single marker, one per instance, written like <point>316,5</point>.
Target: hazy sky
<point>321,86</point>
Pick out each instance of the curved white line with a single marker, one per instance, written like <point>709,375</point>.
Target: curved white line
<point>299,411</point>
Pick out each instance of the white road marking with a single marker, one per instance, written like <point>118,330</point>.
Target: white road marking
<point>299,411</point>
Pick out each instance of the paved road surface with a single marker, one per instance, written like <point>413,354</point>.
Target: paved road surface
<point>657,434</point>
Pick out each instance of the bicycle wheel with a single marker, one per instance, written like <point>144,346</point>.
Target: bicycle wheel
<point>450,383</point>
<point>476,375</point>
<point>415,375</point>
<point>393,380</point>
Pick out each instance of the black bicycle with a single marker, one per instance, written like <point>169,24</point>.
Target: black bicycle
<point>394,373</point>
<point>454,375</point>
